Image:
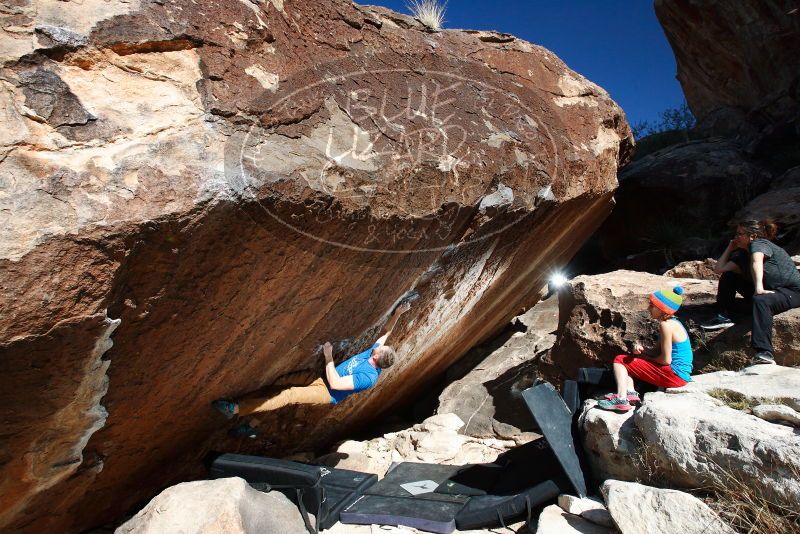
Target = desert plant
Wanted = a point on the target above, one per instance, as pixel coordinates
(740, 505)
(428, 12)
(746, 508)
(670, 120)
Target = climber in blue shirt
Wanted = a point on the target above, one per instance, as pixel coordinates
(355, 374)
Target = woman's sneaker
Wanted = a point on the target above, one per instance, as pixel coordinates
(717, 323)
(633, 397)
(614, 404)
(763, 356)
(225, 407)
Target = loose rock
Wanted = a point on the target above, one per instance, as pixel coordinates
(639, 509)
(223, 506)
(554, 520)
(777, 413)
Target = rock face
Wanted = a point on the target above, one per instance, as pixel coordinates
(224, 506)
(736, 58)
(601, 316)
(639, 509)
(698, 269)
(733, 345)
(489, 397)
(739, 73)
(178, 177)
(782, 204)
(686, 438)
(662, 214)
(761, 382)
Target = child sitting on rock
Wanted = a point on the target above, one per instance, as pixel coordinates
(670, 368)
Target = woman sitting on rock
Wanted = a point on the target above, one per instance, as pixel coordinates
(764, 275)
(671, 367)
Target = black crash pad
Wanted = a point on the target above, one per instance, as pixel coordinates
(407, 496)
(431, 515)
(500, 510)
(555, 421)
(324, 491)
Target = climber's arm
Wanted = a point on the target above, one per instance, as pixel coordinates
(341, 383)
(400, 310)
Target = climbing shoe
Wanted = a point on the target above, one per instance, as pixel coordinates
(633, 397)
(242, 431)
(615, 404)
(717, 323)
(763, 356)
(225, 407)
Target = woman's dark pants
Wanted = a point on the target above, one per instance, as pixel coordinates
(731, 283)
(764, 308)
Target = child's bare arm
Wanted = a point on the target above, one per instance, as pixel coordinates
(664, 355)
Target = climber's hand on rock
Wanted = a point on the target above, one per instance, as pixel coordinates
(327, 350)
(638, 348)
(404, 307)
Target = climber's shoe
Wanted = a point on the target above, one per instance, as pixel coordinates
(225, 407)
(242, 431)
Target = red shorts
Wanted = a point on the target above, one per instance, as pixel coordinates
(659, 375)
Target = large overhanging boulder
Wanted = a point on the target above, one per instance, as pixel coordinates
(224, 186)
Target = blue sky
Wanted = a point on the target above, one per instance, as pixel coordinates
(617, 44)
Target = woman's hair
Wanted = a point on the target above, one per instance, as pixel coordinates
(766, 229)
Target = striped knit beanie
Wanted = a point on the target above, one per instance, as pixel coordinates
(668, 301)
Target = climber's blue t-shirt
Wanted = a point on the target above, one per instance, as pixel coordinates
(363, 373)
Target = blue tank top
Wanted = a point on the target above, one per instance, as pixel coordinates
(682, 356)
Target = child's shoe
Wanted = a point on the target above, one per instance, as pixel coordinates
(615, 404)
(633, 397)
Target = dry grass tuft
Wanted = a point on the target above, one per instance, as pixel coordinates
(428, 12)
(737, 401)
(747, 509)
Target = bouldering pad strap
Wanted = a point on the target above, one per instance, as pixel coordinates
(528, 511)
(304, 513)
(266, 487)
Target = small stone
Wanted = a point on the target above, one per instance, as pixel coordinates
(599, 516)
(447, 421)
(554, 520)
(577, 505)
(777, 413)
